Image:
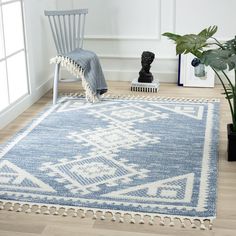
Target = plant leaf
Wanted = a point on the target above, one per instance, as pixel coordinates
(208, 32)
(189, 43)
(172, 36)
(231, 45)
(230, 97)
(232, 62)
(219, 59)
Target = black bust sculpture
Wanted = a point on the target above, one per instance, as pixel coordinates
(145, 76)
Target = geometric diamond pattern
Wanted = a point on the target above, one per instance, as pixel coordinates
(113, 138)
(129, 114)
(87, 174)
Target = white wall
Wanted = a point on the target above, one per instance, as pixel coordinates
(64, 4)
(193, 16)
(118, 31)
(39, 48)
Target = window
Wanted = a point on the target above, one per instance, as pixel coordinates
(13, 70)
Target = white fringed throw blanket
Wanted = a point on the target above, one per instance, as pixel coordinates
(84, 64)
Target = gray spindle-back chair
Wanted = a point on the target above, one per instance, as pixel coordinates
(68, 33)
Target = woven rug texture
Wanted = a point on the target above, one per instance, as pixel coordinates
(151, 158)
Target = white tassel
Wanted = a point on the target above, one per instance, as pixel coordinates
(141, 221)
(64, 214)
(1, 207)
(121, 220)
(151, 222)
(132, 220)
(38, 211)
(193, 226)
(11, 208)
(83, 214)
(162, 222)
(47, 212)
(182, 224)
(210, 226)
(19, 209)
(103, 216)
(202, 226)
(75, 214)
(113, 218)
(94, 216)
(28, 210)
(172, 223)
(55, 213)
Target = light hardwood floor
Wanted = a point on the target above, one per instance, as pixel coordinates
(19, 224)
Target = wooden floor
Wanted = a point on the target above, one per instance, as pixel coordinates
(19, 224)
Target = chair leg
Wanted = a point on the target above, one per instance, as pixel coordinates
(55, 83)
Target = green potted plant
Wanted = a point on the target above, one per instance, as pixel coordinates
(221, 57)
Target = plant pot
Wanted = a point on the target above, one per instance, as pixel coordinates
(231, 143)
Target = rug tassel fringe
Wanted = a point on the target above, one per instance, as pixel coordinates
(162, 222)
(75, 214)
(94, 216)
(113, 218)
(65, 214)
(103, 216)
(202, 224)
(172, 223)
(121, 219)
(28, 211)
(83, 214)
(202, 227)
(148, 97)
(132, 220)
(182, 223)
(210, 225)
(11, 208)
(141, 221)
(151, 221)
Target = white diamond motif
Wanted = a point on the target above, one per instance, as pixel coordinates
(93, 170)
(113, 138)
(128, 114)
(85, 175)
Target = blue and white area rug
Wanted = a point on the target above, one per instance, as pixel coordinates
(154, 159)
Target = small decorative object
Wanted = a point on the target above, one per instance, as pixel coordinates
(199, 68)
(220, 57)
(145, 76)
(192, 73)
(145, 82)
(145, 87)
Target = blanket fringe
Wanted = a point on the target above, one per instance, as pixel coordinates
(78, 72)
(115, 216)
(148, 97)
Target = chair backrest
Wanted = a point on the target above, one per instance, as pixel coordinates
(67, 28)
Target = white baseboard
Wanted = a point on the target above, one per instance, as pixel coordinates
(24, 103)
